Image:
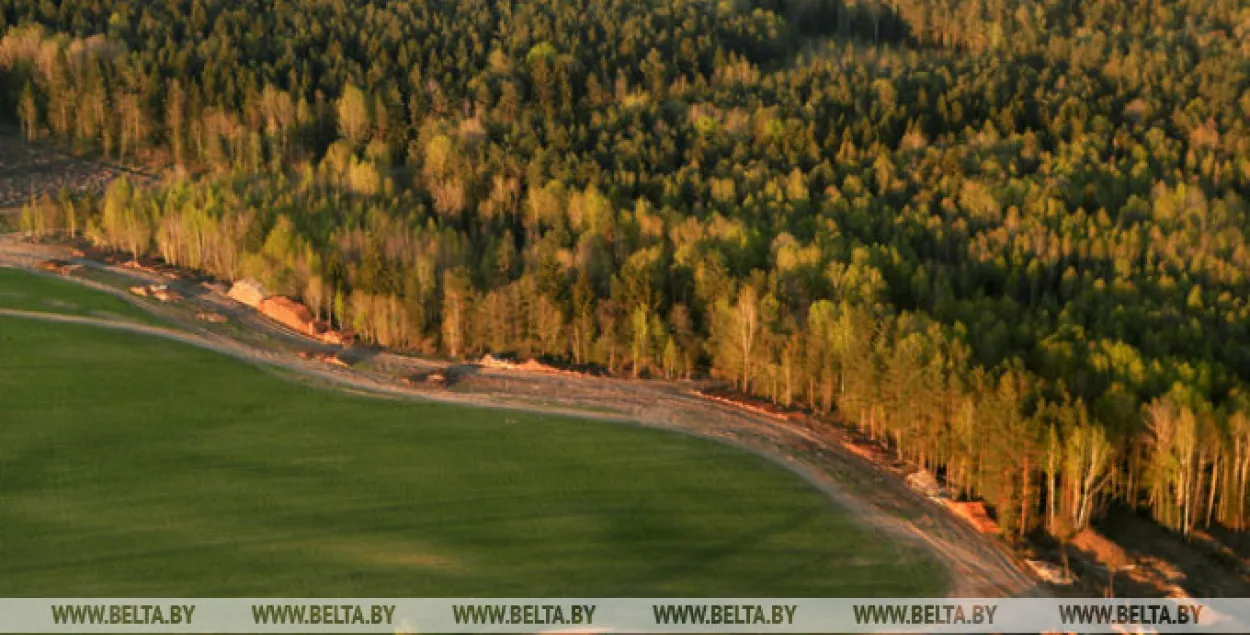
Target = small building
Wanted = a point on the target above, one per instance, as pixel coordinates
(249, 292)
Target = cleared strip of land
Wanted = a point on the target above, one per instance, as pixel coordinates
(133, 466)
(976, 566)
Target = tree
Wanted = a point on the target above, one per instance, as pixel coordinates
(456, 300)
(1088, 469)
(28, 112)
(125, 221)
(981, 262)
(354, 118)
(175, 120)
(640, 341)
(747, 323)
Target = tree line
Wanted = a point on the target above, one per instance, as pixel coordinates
(1008, 239)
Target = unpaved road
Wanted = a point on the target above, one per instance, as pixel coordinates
(978, 566)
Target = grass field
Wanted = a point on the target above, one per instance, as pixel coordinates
(132, 466)
(29, 292)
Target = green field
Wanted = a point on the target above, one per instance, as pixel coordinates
(133, 466)
(29, 292)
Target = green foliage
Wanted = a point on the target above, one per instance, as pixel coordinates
(966, 227)
(544, 51)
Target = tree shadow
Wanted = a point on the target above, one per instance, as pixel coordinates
(358, 354)
(871, 22)
(1198, 572)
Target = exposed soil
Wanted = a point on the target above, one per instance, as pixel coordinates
(28, 170)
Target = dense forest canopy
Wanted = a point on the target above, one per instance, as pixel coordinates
(1007, 237)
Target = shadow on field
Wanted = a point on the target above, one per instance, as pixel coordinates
(696, 559)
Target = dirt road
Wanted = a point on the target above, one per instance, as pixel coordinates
(978, 566)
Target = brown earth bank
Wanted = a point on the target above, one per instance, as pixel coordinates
(1126, 554)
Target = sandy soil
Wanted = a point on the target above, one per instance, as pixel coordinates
(978, 566)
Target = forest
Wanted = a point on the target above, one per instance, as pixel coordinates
(1008, 238)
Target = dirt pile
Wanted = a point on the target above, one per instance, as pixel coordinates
(248, 292)
(325, 358)
(145, 267)
(157, 291)
(924, 482)
(755, 406)
(527, 366)
(873, 453)
(211, 317)
(975, 514)
(435, 378)
(290, 314)
(165, 294)
(96, 254)
(59, 267)
(498, 363)
(337, 338)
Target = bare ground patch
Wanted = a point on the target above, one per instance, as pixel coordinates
(34, 169)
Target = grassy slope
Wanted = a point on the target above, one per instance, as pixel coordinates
(134, 466)
(29, 292)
